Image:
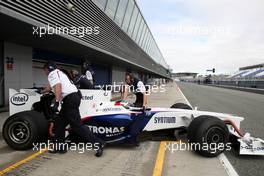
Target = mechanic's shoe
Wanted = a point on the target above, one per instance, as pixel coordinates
(63, 151)
(134, 141)
(53, 151)
(100, 150)
(58, 148)
(137, 144)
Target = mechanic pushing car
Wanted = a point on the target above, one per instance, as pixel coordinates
(138, 88)
(80, 81)
(69, 97)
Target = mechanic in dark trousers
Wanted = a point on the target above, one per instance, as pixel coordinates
(80, 81)
(138, 88)
(68, 95)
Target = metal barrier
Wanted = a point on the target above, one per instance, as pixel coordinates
(259, 84)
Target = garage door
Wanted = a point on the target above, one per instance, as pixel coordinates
(102, 75)
(1, 75)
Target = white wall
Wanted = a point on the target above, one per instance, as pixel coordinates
(21, 74)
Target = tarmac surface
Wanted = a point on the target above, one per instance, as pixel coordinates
(245, 104)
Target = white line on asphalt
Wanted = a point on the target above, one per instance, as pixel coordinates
(223, 159)
(184, 97)
(227, 165)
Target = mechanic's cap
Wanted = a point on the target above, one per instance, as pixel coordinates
(74, 73)
(129, 74)
(128, 70)
(86, 65)
(50, 65)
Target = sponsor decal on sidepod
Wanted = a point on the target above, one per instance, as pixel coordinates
(108, 131)
(165, 120)
(19, 99)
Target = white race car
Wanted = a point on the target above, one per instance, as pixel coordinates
(209, 133)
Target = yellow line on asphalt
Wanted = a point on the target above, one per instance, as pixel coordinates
(160, 158)
(23, 161)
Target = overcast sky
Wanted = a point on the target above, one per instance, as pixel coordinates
(195, 35)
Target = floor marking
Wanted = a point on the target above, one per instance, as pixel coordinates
(227, 165)
(21, 162)
(187, 101)
(222, 158)
(160, 157)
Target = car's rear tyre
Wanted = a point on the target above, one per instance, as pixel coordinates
(209, 135)
(181, 106)
(23, 129)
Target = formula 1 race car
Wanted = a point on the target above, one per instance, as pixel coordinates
(117, 122)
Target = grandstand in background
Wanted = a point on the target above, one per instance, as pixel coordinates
(252, 67)
(249, 72)
(248, 77)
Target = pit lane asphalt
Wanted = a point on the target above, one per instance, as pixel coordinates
(248, 105)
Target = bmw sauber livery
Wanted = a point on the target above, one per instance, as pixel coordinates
(119, 123)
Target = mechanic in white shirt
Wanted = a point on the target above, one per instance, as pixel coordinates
(138, 88)
(80, 81)
(89, 76)
(87, 71)
(68, 95)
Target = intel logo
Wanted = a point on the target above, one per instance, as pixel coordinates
(19, 99)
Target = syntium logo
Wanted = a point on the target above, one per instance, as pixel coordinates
(106, 130)
(165, 120)
(19, 99)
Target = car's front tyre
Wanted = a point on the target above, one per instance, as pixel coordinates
(209, 135)
(181, 106)
(23, 129)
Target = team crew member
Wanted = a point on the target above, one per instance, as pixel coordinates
(68, 95)
(81, 81)
(138, 88)
(89, 73)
